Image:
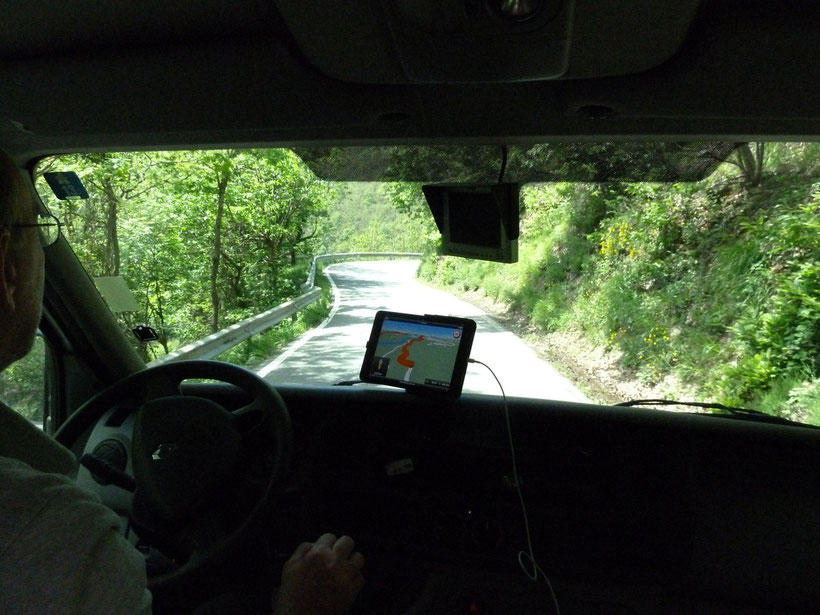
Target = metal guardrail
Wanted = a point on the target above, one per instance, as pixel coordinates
(217, 343)
(311, 280)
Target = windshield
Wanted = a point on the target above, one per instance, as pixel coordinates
(692, 290)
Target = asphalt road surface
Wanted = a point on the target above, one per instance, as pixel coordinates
(333, 352)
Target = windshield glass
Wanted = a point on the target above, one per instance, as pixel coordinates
(692, 290)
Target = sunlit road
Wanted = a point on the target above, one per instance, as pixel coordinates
(334, 351)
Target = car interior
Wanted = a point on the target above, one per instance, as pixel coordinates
(628, 510)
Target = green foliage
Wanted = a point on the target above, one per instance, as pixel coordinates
(203, 239)
(716, 283)
(793, 158)
(263, 346)
(779, 334)
(372, 217)
(549, 312)
(22, 384)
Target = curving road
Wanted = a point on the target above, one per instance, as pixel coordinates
(333, 352)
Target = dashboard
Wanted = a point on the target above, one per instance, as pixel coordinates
(629, 511)
(637, 510)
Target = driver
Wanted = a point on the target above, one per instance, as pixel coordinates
(61, 550)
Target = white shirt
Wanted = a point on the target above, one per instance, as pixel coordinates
(61, 550)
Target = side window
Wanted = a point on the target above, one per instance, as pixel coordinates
(23, 383)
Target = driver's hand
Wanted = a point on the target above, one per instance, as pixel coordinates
(320, 578)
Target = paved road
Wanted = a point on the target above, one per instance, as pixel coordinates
(334, 351)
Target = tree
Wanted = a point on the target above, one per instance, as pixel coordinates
(275, 209)
(749, 161)
(115, 179)
(221, 167)
(202, 182)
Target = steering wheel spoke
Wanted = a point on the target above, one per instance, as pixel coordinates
(250, 417)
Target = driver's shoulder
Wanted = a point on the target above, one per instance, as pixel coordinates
(20, 439)
(51, 529)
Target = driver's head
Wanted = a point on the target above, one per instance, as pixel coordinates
(21, 265)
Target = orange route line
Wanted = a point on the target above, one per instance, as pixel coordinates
(405, 352)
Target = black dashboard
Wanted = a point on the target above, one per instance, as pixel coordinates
(630, 510)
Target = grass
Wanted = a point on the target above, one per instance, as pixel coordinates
(266, 344)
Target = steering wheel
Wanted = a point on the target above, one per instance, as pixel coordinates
(204, 476)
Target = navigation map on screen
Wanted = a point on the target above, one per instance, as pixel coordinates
(414, 352)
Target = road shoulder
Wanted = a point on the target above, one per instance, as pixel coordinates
(591, 368)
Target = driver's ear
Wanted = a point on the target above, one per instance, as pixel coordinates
(8, 273)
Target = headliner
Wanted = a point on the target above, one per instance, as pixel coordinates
(206, 74)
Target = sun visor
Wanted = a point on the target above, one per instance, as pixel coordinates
(539, 162)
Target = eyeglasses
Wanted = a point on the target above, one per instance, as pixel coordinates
(49, 227)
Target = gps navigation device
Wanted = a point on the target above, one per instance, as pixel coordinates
(419, 353)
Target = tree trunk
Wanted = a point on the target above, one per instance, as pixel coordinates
(222, 185)
(750, 163)
(759, 151)
(162, 332)
(112, 242)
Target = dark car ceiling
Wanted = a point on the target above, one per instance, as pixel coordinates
(116, 74)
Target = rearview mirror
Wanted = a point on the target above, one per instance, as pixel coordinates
(476, 220)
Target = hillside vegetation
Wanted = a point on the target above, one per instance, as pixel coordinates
(712, 286)
(363, 218)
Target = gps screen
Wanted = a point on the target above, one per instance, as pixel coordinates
(418, 352)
